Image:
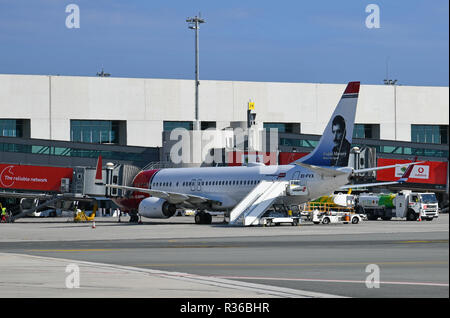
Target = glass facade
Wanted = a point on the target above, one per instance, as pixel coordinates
(75, 152)
(282, 127)
(366, 131)
(386, 149)
(171, 125)
(11, 127)
(291, 142)
(94, 131)
(208, 125)
(432, 134)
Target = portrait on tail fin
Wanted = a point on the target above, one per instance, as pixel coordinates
(341, 149)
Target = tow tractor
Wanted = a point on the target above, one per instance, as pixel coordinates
(335, 217)
(326, 213)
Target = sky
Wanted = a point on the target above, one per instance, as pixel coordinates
(322, 41)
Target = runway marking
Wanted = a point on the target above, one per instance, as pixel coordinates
(80, 250)
(437, 241)
(333, 281)
(295, 264)
(123, 249)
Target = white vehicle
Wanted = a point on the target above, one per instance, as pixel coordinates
(281, 215)
(269, 221)
(405, 204)
(335, 217)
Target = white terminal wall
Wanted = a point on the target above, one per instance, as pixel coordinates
(50, 102)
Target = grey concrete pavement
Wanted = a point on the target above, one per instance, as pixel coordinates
(26, 276)
(60, 229)
(328, 259)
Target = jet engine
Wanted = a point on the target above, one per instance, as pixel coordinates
(156, 208)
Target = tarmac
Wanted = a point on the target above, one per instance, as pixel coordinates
(175, 258)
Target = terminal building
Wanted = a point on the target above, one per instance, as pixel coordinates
(68, 120)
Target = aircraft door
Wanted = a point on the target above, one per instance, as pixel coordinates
(199, 184)
(193, 183)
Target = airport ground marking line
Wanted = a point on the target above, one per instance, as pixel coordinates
(333, 280)
(294, 264)
(193, 278)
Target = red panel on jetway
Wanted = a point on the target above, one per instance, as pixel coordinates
(286, 158)
(236, 158)
(431, 172)
(33, 177)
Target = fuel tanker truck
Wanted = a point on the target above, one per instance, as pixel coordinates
(405, 204)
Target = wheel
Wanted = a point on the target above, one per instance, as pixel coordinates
(208, 218)
(198, 218)
(326, 221)
(295, 223)
(355, 220)
(411, 216)
(386, 218)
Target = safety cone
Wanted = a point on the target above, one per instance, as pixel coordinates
(93, 224)
(419, 219)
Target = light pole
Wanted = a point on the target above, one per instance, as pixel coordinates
(194, 24)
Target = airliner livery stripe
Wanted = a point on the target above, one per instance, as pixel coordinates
(350, 95)
(352, 88)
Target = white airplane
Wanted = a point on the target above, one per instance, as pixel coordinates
(159, 193)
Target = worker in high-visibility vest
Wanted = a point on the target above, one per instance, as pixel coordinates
(3, 214)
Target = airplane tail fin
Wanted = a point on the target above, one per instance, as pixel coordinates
(408, 171)
(334, 146)
(98, 171)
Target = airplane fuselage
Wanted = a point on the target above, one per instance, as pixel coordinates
(229, 185)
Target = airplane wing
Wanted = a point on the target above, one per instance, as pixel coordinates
(386, 167)
(403, 179)
(17, 195)
(45, 196)
(171, 197)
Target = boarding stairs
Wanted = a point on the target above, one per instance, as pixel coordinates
(259, 200)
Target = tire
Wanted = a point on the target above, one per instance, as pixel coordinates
(295, 223)
(355, 220)
(386, 218)
(326, 220)
(207, 218)
(411, 216)
(198, 218)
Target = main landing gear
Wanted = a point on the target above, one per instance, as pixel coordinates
(203, 217)
(135, 217)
